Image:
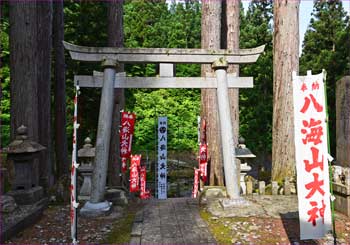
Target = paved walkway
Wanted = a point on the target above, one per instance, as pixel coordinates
(171, 221)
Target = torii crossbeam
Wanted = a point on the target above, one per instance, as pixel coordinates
(110, 57)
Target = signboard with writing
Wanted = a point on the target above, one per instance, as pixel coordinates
(162, 157)
(134, 173)
(126, 134)
(311, 152)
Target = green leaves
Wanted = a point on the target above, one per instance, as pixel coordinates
(156, 25)
(256, 103)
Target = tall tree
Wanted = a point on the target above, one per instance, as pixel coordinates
(231, 15)
(211, 26)
(285, 61)
(24, 86)
(116, 39)
(30, 62)
(43, 60)
(61, 148)
(325, 47)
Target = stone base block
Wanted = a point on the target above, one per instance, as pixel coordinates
(342, 198)
(22, 217)
(116, 196)
(25, 197)
(213, 192)
(235, 202)
(96, 209)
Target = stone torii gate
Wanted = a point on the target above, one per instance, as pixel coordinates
(108, 80)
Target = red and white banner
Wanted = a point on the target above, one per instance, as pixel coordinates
(203, 155)
(203, 152)
(126, 134)
(134, 173)
(311, 152)
(195, 183)
(73, 186)
(144, 194)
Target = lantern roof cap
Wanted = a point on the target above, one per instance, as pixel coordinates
(22, 144)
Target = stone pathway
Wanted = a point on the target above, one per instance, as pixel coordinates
(171, 221)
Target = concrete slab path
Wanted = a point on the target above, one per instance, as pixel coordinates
(171, 221)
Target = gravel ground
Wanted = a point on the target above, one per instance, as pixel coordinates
(255, 230)
(54, 228)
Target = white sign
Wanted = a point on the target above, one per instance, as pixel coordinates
(162, 157)
(311, 152)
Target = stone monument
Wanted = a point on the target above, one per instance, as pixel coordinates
(23, 151)
(343, 121)
(86, 156)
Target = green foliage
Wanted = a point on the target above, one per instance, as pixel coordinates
(156, 25)
(256, 103)
(5, 84)
(325, 47)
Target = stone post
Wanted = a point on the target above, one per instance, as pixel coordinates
(286, 187)
(343, 121)
(274, 188)
(262, 187)
(97, 204)
(230, 163)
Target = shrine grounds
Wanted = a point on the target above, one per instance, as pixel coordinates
(267, 220)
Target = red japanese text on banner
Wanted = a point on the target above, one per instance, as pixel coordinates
(195, 183)
(125, 136)
(311, 152)
(134, 173)
(144, 194)
(203, 155)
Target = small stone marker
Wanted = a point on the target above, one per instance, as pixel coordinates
(274, 187)
(286, 187)
(249, 185)
(262, 187)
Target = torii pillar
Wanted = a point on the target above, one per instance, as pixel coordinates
(97, 204)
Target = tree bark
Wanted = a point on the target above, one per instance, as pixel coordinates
(23, 72)
(61, 148)
(116, 39)
(44, 46)
(232, 43)
(285, 61)
(210, 38)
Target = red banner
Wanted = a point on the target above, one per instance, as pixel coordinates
(195, 183)
(126, 134)
(144, 194)
(203, 154)
(134, 173)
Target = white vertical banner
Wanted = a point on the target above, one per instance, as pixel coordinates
(311, 152)
(162, 157)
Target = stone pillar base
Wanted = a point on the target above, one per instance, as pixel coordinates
(234, 202)
(26, 197)
(96, 209)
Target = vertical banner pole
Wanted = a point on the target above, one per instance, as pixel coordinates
(74, 169)
(329, 162)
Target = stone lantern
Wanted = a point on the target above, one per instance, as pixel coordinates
(86, 156)
(243, 154)
(23, 152)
